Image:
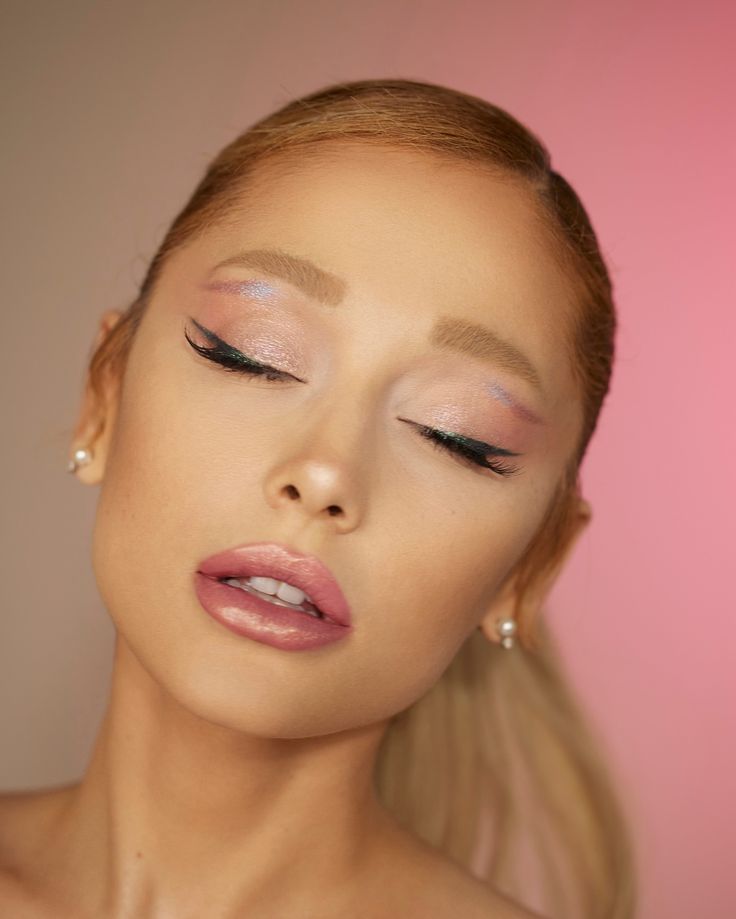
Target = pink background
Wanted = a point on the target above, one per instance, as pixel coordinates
(112, 112)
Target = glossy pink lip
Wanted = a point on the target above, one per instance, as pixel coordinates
(274, 560)
(254, 617)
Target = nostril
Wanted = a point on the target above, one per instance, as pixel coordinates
(334, 510)
(291, 491)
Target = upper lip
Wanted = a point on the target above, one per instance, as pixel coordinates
(275, 560)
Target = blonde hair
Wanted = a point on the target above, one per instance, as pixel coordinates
(500, 737)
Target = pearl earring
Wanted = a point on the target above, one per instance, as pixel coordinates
(506, 628)
(81, 457)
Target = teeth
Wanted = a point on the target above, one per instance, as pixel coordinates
(290, 594)
(280, 590)
(265, 585)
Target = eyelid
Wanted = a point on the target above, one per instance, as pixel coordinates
(479, 445)
(468, 449)
(215, 339)
(476, 452)
(232, 354)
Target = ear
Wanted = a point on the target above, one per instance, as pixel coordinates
(505, 603)
(96, 419)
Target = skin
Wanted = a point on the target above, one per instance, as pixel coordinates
(230, 778)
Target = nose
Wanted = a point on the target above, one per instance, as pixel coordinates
(324, 464)
(316, 489)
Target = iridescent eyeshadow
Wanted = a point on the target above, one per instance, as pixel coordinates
(255, 289)
(498, 392)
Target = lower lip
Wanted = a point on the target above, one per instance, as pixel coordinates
(246, 614)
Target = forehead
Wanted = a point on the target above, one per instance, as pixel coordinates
(416, 232)
(482, 223)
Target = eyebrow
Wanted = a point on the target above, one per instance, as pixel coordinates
(313, 281)
(483, 343)
(448, 333)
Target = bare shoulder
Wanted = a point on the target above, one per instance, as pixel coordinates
(423, 881)
(25, 817)
(456, 893)
(492, 904)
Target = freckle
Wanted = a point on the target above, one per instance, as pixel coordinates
(137, 854)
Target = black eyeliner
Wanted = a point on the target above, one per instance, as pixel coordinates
(221, 348)
(473, 450)
(232, 360)
(468, 448)
(476, 446)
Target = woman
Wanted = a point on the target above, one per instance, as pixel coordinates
(338, 437)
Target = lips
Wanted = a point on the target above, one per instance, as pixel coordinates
(274, 560)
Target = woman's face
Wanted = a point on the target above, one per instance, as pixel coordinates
(421, 252)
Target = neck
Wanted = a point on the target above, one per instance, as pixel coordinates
(179, 815)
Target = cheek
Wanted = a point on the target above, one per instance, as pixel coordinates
(152, 497)
(437, 580)
(182, 459)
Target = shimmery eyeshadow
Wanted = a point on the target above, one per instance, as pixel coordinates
(255, 289)
(498, 392)
(261, 291)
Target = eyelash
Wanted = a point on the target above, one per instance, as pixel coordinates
(474, 452)
(233, 360)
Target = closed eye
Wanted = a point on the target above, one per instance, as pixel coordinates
(473, 451)
(233, 360)
(466, 449)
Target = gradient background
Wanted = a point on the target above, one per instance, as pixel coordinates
(113, 109)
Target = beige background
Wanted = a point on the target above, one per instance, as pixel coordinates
(111, 111)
